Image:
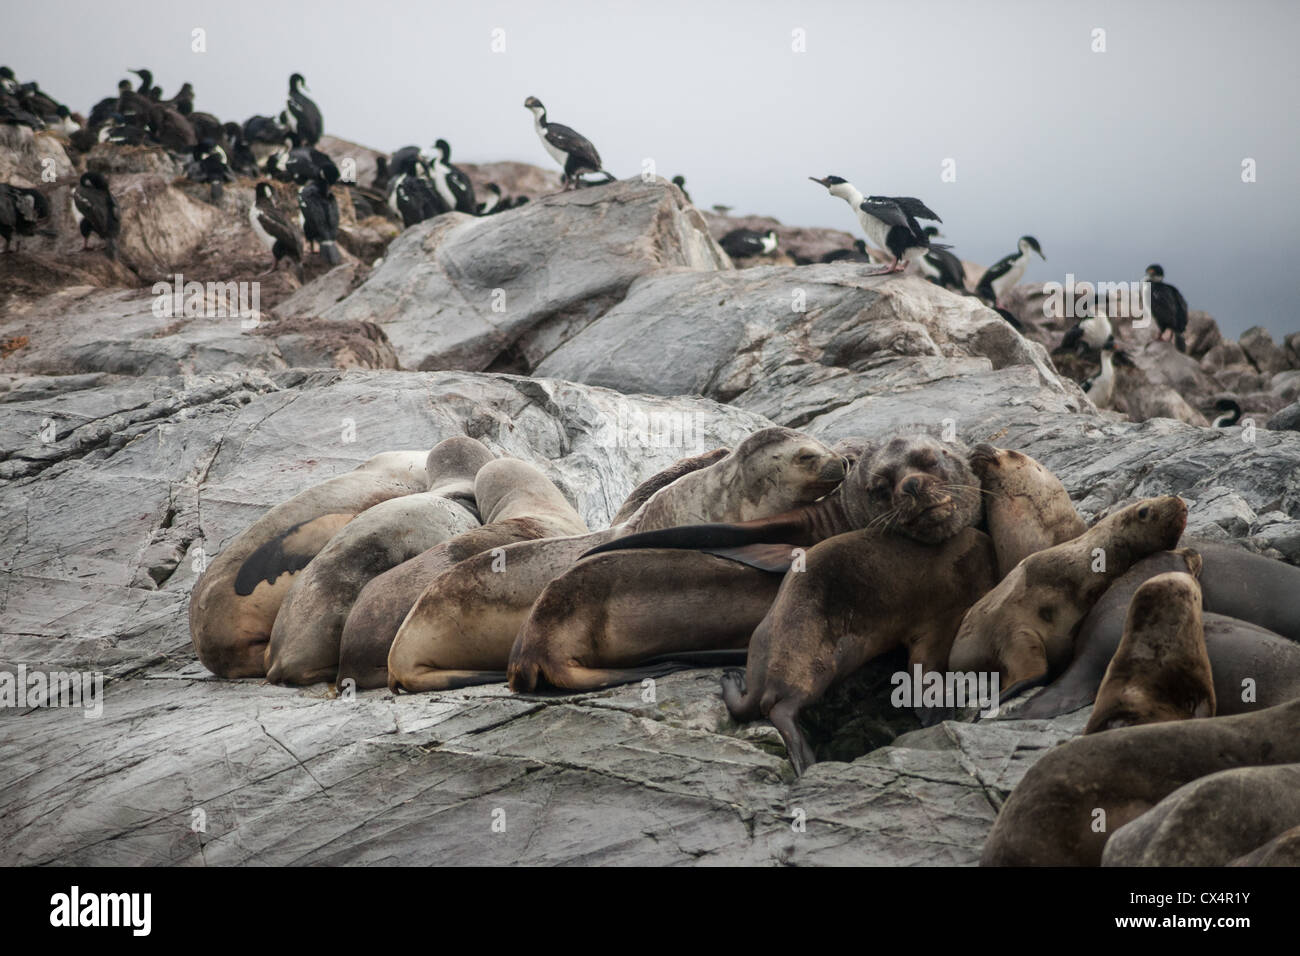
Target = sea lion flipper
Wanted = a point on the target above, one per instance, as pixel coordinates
(788, 527)
(777, 558)
(288, 552)
(784, 717)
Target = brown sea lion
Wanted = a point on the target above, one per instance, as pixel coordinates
(1161, 670)
(611, 611)
(304, 645)
(1026, 507)
(645, 491)
(463, 626)
(1079, 793)
(234, 604)
(517, 502)
(1253, 667)
(1026, 625)
(863, 593)
(1212, 820)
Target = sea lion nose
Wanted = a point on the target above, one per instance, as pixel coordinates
(911, 485)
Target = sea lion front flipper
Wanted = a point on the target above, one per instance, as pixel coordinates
(791, 527)
(430, 679)
(289, 552)
(1024, 658)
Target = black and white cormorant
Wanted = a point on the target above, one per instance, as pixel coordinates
(273, 229)
(743, 243)
(1168, 307)
(1229, 413)
(890, 222)
(263, 129)
(567, 146)
(304, 116)
(209, 165)
(1091, 332)
(1101, 387)
(241, 157)
(1004, 274)
(96, 211)
(319, 215)
(450, 181)
(301, 164)
(680, 183)
(857, 254)
(940, 266)
(21, 211)
(121, 132)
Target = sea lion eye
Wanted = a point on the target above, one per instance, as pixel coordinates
(1144, 512)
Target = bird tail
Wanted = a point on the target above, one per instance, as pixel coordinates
(330, 250)
(939, 245)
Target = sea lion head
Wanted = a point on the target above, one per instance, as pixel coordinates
(1158, 680)
(783, 469)
(916, 486)
(452, 465)
(1152, 524)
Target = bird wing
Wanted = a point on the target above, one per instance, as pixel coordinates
(571, 141)
(998, 269)
(886, 210)
(910, 205)
(277, 228)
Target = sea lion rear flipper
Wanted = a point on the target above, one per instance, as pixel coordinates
(785, 718)
(573, 677)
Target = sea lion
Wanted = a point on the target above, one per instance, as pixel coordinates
(1250, 587)
(1026, 625)
(598, 621)
(234, 603)
(1079, 793)
(616, 608)
(1282, 850)
(1026, 507)
(1161, 670)
(863, 593)
(1239, 651)
(683, 466)
(462, 627)
(304, 645)
(1212, 820)
(915, 485)
(517, 502)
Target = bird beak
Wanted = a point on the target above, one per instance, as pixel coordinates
(820, 182)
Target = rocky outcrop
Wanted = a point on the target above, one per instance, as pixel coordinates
(501, 292)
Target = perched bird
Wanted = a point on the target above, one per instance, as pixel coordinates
(242, 160)
(101, 111)
(451, 183)
(567, 147)
(96, 211)
(1101, 387)
(743, 243)
(8, 82)
(1230, 413)
(304, 116)
(380, 181)
(209, 165)
(680, 183)
(319, 213)
(1091, 332)
(1168, 307)
(21, 211)
(301, 164)
(493, 200)
(273, 229)
(890, 222)
(857, 254)
(1004, 274)
(263, 129)
(121, 133)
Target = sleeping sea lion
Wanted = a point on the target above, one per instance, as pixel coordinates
(304, 645)
(234, 603)
(463, 625)
(1026, 625)
(1079, 793)
(518, 503)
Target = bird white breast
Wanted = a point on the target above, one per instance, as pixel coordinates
(928, 268)
(769, 243)
(76, 213)
(1011, 278)
(1096, 330)
(265, 237)
(1103, 386)
(440, 183)
(557, 154)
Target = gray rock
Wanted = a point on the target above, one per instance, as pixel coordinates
(1263, 352)
(1288, 419)
(501, 292)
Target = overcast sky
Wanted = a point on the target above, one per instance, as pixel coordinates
(1112, 159)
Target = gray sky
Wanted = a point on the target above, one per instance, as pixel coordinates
(1112, 160)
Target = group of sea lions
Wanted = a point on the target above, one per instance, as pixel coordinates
(430, 572)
